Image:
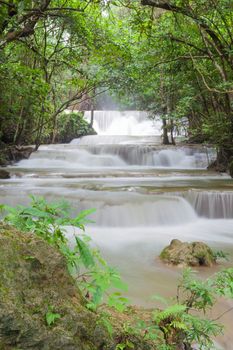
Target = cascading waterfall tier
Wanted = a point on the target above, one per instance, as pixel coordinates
(124, 123)
(212, 204)
(82, 154)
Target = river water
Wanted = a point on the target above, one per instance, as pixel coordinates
(144, 195)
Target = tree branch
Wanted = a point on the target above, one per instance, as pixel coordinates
(28, 23)
(185, 42)
(7, 4)
(166, 5)
(205, 82)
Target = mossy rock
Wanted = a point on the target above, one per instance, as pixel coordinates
(188, 254)
(34, 278)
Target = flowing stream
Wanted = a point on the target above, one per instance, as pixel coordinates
(144, 195)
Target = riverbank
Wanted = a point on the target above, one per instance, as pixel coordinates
(70, 125)
(10, 154)
(35, 283)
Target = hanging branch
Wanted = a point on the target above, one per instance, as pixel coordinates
(166, 5)
(26, 23)
(205, 82)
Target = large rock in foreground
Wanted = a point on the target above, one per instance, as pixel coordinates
(34, 279)
(188, 254)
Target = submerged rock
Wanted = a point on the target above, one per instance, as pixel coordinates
(4, 174)
(188, 254)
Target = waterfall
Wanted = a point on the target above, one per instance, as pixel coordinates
(86, 153)
(126, 209)
(124, 123)
(145, 195)
(211, 204)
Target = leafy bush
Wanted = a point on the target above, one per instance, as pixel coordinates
(71, 126)
(184, 323)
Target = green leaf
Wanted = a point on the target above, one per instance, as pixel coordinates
(83, 214)
(35, 212)
(51, 317)
(118, 283)
(85, 253)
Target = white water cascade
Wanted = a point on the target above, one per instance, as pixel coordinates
(212, 204)
(144, 195)
(124, 123)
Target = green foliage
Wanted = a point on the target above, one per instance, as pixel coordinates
(72, 125)
(176, 324)
(50, 222)
(171, 311)
(105, 320)
(219, 254)
(47, 69)
(51, 317)
(127, 345)
(147, 58)
(179, 322)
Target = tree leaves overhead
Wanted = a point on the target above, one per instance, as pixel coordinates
(173, 58)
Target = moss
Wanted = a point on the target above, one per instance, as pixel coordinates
(34, 277)
(189, 254)
(164, 255)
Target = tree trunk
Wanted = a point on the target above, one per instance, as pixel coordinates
(165, 133)
(171, 133)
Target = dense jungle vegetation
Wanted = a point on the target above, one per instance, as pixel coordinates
(174, 58)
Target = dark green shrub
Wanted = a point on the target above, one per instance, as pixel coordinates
(71, 126)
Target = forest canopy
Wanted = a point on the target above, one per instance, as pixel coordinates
(172, 58)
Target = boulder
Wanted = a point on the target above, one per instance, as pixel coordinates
(18, 153)
(4, 174)
(188, 254)
(11, 154)
(34, 280)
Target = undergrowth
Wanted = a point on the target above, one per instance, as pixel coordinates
(182, 324)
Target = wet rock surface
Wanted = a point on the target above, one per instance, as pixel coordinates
(12, 154)
(188, 254)
(4, 174)
(18, 153)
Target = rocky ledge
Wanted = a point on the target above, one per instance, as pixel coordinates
(12, 154)
(4, 174)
